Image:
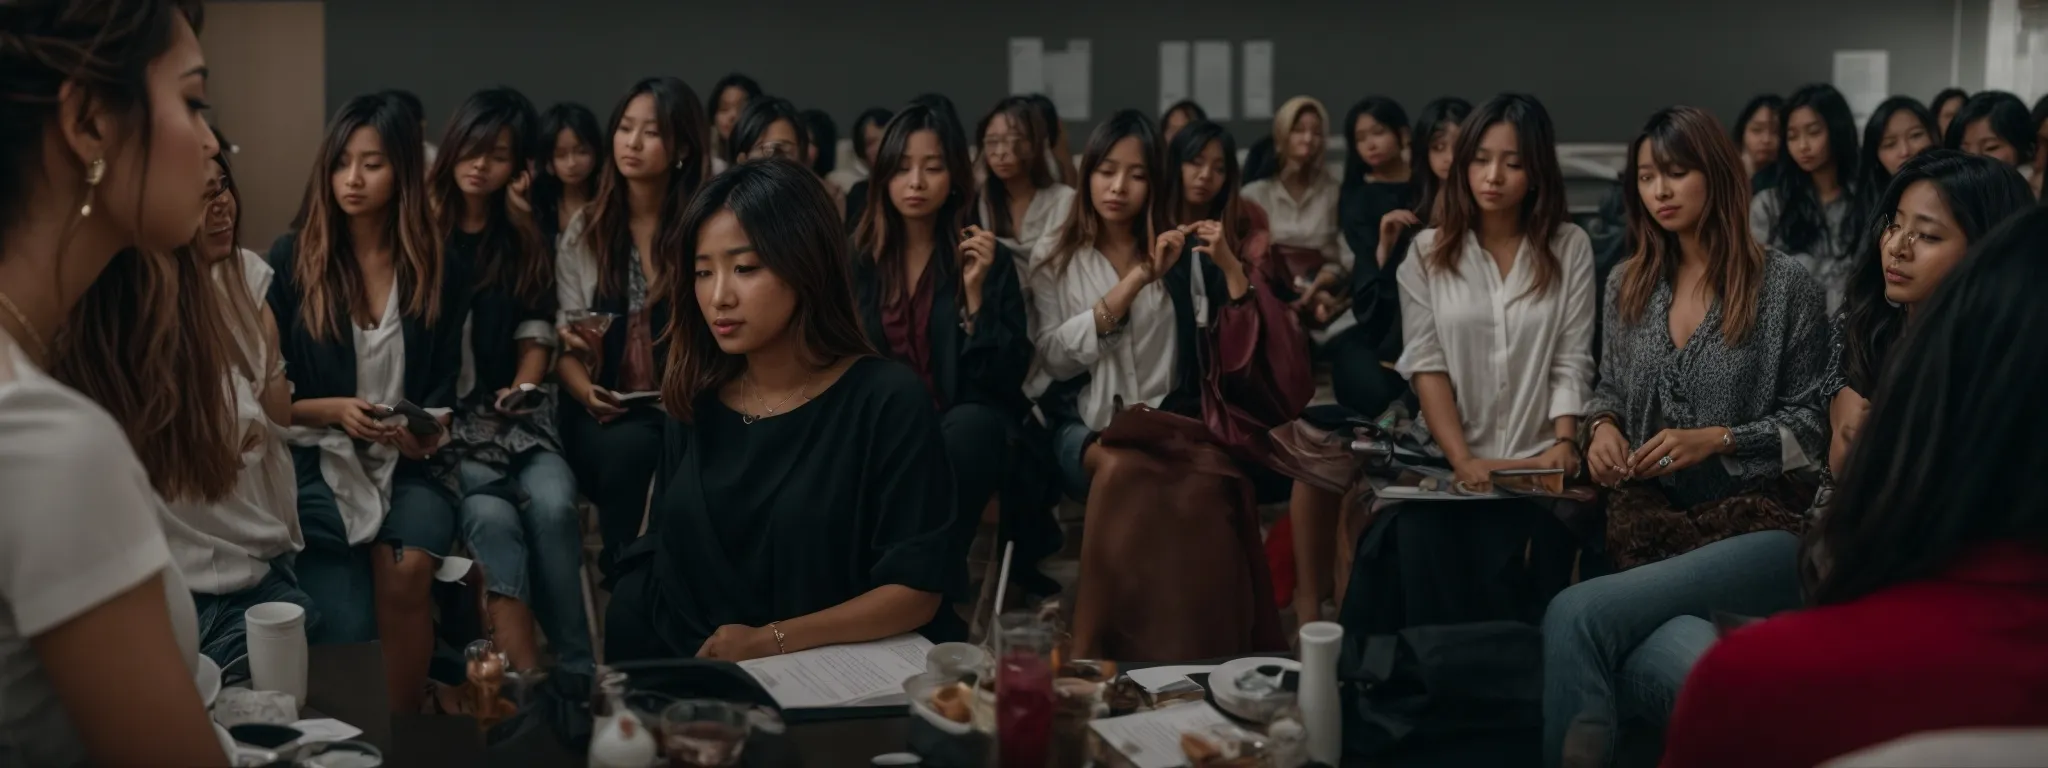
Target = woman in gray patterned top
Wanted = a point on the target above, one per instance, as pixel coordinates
(1714, 351)
(1815, 214)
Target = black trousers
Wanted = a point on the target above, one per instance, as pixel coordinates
(1361, 382)
(614, 463)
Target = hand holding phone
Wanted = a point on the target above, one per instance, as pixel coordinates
(519, 401)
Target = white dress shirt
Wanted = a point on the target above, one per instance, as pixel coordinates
(1309, 221)
(1136, 363)
(1517, 360)
(360, 473)
(1043, 219)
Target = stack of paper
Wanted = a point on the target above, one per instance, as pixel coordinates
(1152, 739)
(858, 675)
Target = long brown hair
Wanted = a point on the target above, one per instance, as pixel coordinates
(880, 235)
(1543, 207)
(1084, 225)
(1028, 143)
(512, 254)
(330, 282)
(244, 310)
(680, 120)
(1690, 139)
(795, 229)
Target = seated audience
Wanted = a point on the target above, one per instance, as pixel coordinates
(1707, 400)
(1994, 124)
(1897, 131)
(772, 127)
(1945, 105)
(724, 103)
(518, 511)
(98, 638)
(1497, 313)
(1020, 201)
(1309, 259)
(1378, 180)
(565, 176)
(1757, 134)
(1812, 211)
(1939, 204)
(370, 317)
(867, 136)
(1934, 611)
(804, 495)
(608, 261)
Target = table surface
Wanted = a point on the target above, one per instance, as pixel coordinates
(346, 682)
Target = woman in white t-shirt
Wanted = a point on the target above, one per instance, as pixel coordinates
(94, 620)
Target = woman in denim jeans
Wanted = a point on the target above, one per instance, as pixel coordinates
(518, 511)
(1714, 350)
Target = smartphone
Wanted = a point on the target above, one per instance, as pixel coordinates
(417, 420)
(525, 399)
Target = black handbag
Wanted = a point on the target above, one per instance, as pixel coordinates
(1446, 695)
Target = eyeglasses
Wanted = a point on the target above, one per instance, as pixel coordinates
(1888, 227)
(784, 149)
(1014, 145)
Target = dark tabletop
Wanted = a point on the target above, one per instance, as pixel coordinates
(346, 682)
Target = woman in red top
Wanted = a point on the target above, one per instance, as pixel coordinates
(1934, 614)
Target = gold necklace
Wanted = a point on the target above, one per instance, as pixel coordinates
(34, 337)
(755, 390)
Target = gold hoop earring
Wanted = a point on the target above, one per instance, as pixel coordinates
(94, 174)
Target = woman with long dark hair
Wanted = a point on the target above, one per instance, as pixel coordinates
(724, 103)
(1206, 187)
(823, 141)
(1378, 180)
(565, 176)
(1180, 115)
(1932, 615)
(104, 153)
(867, 138)
(773, 127)
(804, 492)
(1020, 201)
(504, 432)
(1939, 204)
(1126, 318)
(1945, 105)
(1058, 155)
(1813, 213)
(610, 264)
(1757, 133)
(1898, 130)
(942, 296)
(1997, 125)
(370, 317)
(1707, 384)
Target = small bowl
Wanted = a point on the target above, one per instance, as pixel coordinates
(956, 660)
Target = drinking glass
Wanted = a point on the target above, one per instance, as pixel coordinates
(701, 733)
(1024, 700)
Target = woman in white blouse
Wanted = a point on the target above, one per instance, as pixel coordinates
(1301, 208)
(1497, 316)
(1019, 199)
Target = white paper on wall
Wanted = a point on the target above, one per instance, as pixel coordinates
(1027, 66)
(1258, 79)
(1173, 73)
(1864, 78)
(1066, 79)
(1212, 77)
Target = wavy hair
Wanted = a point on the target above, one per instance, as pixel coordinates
(1029, 146)
(1543, 207)
(1801, 222)
(608, 223)
(1690, 139)
(880, 233)
(1084, 225)
(1228, 207)
(512, 254)
(329, 281)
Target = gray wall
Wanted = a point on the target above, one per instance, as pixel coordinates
(1600, 65)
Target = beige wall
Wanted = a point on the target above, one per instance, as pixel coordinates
(269, 91)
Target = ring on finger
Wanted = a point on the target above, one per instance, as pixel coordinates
(1664, 462)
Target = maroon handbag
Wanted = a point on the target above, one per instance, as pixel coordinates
(1256, 375)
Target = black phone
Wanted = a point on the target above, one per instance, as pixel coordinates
(524, 399)
(417, 420)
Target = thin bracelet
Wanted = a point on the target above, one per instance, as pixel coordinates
(775, 627)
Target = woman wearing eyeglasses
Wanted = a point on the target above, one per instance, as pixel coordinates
(1020, 202)
(772, 127)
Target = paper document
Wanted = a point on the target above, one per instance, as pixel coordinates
(857, 675)
(1258, 80)
(1212, 77)
(1152, 739)
(1173, 73)
(1027, 66)
(1157, 679)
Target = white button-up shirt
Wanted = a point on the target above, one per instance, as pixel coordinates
(1516, 360)
(1309, 221)
(1135, 364)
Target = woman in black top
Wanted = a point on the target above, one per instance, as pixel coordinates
(565, 176)
(804, 492)
(1378, 180)
(610, 260)
(366, 261)
(518, 513)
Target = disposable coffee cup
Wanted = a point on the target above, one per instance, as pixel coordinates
(277, 649)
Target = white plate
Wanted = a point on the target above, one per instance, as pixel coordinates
(1223, 686)
(208, 679)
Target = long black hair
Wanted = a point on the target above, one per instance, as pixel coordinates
(1941, 100)
(872, 116)
(1875, 177)
(1228, 206)
(547, 187)
(1084, 225)
(511, 257)
(1943, 462)
(1980, 192)
(795, 230)
(1801, 220)
(731, 80)
(1385, 110)
(2007, 116)
(880, 233)
(1025, 126)
(1437, 117)
(1757, 103)
(762, 112)
(608, 224)
(823, 134)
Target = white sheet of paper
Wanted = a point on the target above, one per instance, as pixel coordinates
(1067, 76)
(1152, 739)
(1173, 73)
(1212, 77)
(1156, 679)
(325, 729)
(1027, 66)
(1258, 80)
(856, 675)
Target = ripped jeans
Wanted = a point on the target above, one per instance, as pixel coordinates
(336, 576)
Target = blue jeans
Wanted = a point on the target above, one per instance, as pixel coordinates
(223, 634)
(335, 575)
(1069, 449)
(541, 539)
(1619, 646)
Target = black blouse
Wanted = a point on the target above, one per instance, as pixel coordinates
(797, 513)
(987, 366)
(317, 369)
(495, 315)
(1375, 298)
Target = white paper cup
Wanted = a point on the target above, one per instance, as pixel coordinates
(277, 649)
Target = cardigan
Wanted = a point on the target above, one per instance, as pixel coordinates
(318, 369)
